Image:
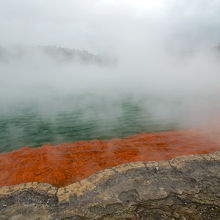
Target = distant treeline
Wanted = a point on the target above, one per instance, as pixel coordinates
(58, 54)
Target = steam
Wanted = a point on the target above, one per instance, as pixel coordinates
(163, 57)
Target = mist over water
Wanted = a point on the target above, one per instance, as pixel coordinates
(117, 68)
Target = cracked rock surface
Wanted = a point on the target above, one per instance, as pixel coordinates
(186, 187)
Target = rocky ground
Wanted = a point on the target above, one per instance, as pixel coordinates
(186, 187)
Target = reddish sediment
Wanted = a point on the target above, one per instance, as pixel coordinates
(67, 163)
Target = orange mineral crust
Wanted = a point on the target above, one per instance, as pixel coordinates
(66, 163)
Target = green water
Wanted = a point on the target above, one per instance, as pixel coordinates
(82, 118)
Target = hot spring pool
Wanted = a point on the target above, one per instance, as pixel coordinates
(67, 119)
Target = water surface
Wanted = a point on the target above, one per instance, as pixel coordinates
(83, 117)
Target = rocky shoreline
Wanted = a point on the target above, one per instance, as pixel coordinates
(186, 187)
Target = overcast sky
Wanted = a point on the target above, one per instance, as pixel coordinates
(104, 25)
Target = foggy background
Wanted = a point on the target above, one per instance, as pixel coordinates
(73, 70)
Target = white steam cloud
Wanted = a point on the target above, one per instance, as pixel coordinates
(162, 55)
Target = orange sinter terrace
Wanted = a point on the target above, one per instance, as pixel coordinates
(67, 163)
